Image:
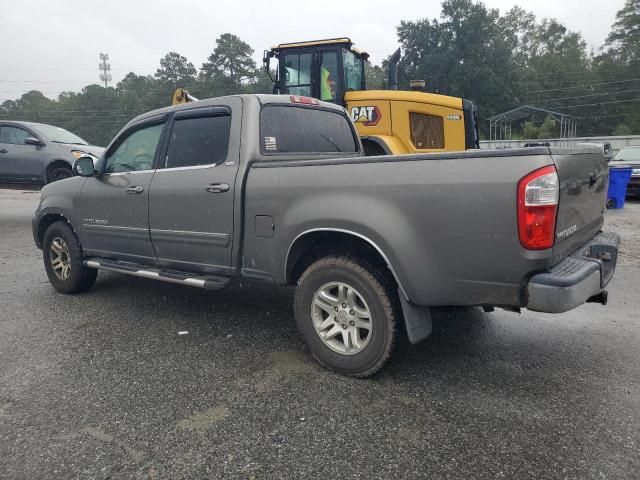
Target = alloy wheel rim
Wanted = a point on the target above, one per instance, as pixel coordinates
(60, 258)
(341, 318)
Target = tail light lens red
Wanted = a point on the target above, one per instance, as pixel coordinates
(538, 194)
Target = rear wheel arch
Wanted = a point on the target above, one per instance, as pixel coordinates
(312, 245)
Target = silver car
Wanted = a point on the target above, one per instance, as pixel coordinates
(35, 153)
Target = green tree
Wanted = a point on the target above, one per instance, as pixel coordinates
(622, 129)
(229, 65)
(529, 131)
(376, 76)
(548, 128)
(464, 54)
(176, 70)
(623, 42)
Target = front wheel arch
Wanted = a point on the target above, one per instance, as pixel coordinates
(57, 164)
(45, 222)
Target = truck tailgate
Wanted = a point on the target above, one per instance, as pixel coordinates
(584, 177)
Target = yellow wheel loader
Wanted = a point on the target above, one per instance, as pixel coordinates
(388, 121)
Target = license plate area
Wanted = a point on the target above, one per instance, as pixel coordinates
(607, 256)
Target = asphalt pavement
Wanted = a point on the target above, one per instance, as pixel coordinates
(103, 385)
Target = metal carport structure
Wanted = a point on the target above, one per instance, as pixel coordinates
(500, 125)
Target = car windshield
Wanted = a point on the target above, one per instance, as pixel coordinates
(628, 154)
(59, 135)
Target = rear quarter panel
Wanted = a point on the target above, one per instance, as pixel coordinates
(447, 224)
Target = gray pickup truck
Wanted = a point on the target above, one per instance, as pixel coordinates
(277, 188)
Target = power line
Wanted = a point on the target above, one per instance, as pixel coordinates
(584, 86)
(628, 114)
(591, 95)
(595, 104)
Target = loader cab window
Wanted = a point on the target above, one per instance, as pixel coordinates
(329, 76)
(297, 72)
(353, 71)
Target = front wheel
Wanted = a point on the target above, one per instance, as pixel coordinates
(63, 260)
(344, 311)
(58, 173)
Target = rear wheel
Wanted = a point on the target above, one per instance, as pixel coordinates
(63, 260)
(344, 311)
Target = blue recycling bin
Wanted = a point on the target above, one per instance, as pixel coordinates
(618, 180)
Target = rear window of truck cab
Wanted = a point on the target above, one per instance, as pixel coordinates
(297, 129)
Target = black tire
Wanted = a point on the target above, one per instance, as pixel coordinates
(79, 277)
(58, 173)
(379, 295)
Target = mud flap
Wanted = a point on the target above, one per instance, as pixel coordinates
(416, 319)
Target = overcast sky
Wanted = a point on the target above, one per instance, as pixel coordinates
(53, 45)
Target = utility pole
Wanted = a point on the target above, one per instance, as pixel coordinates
(105, 67)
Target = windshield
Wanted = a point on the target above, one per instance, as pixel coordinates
(58, 135)
(628, 154)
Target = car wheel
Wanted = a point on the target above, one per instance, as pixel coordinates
(58, 173)
(64, 262)
(345, 312)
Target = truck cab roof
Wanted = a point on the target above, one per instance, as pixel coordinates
(262, 99)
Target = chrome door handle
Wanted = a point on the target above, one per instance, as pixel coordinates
(218, 187)
(136, 189)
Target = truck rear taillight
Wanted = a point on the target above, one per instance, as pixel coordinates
(537, 208)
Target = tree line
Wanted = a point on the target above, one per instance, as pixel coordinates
(499, 61)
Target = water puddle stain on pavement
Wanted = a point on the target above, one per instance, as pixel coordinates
(203, 421)
(287, 362)
(101, 435)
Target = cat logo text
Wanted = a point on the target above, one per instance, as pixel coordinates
(366, 115)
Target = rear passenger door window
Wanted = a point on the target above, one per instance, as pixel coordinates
(198, 141)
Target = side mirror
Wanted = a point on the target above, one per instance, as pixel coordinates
(33, 141)
(83, 167)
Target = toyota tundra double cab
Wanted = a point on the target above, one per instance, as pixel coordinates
(277, 188)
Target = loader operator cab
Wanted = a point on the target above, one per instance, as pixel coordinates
(388, 121)
(324, 69)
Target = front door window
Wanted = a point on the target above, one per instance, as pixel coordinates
(135, 152)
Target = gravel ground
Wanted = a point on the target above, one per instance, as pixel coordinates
(101, 385)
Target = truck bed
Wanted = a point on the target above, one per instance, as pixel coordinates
(446, 223)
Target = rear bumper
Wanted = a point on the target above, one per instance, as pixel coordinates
(579, 277)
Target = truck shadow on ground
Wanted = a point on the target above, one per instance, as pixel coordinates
(466, 340)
